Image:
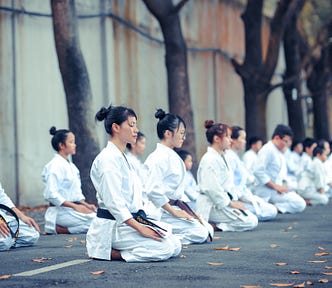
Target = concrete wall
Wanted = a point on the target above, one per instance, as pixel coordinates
(124, 68)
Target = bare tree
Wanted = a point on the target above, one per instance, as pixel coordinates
(292, 81)
(77, 88)
(256, 72)
(167, 14)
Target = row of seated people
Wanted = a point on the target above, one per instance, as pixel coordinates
(227, 197)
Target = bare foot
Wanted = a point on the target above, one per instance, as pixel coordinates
(116, 255)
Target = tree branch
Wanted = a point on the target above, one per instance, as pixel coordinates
(179, 6)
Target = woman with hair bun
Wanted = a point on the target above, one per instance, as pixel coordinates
(68, 213)
(217, 202)
(165, 183)
(121, 230)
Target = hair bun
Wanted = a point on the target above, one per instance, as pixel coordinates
(160, 114)
(102, 113)
(53, 130)
(208, 124)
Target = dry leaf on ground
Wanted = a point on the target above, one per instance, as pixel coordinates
(322, 253)
(222, 248)
(185, 246)
(323, 281)
(5, 276)
(309, 283)
(183, 256)
(321, 248)
(280, 264)
(41, 260)
(282, 284)
(98, 272)
(328, 267)
(216, 237)
(250, 286)
(68, 246)
(71, 239)
(327, 273)
(301, 285)
(274, 245)
(215, 263)
(234, 249)
(288, 228)
(295, 272)
(317, 261)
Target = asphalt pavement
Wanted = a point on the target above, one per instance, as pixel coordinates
(290, 251)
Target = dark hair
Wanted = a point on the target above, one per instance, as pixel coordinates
(282, 131)
(318, 150)
(236, 132)
(213, 129)
(308, 142)
(59, 136)
(167, 121)
(321, 142)
(140, 135)
(254, 140)
(114, 114)
(183, 154)
(295, 143)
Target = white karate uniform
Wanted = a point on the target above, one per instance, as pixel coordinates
(249, 159)
(271, 166)
(215, 179)
(292, 163)
(119, 191)
(165, 181)
(312, 179)
(262, 209)
(190, 189)
(328, 169)
(140, 168)
(27, 235)
(62, 183)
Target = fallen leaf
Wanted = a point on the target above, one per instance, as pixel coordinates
(183, 256)
(295, 236)
(328, 267)
(71, 239)
(250, 286)
(234, 249)
(317, 261)
(5, 276)
(215, 263)
(288, 228)
(280, 264)
(323, 281)
(83, 241)
(299, 285)
(321, 248)
(222, 248)
(294, 272)
(282, 284)
(98, 272)
(68, 246)
(327, 273)
(216, 237)
(322, 253)
(185, 246)
(41, 260)
(274, 245)
(309, 283)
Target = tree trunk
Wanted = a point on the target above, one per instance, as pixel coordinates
(176, 64)
(77, 88)
(256, 72)
(292, 77)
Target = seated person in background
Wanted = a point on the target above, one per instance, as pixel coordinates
(293, 158)
(190, 186)
(271, 171)
(68, 212)
(134, 151)
(218, 203)
(249, 157)
(243, 179)
(28, 233)
(312, 183)
(327, 165)
(309, 144)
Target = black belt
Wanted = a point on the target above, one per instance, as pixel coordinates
(139, 216)
(10, 211)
